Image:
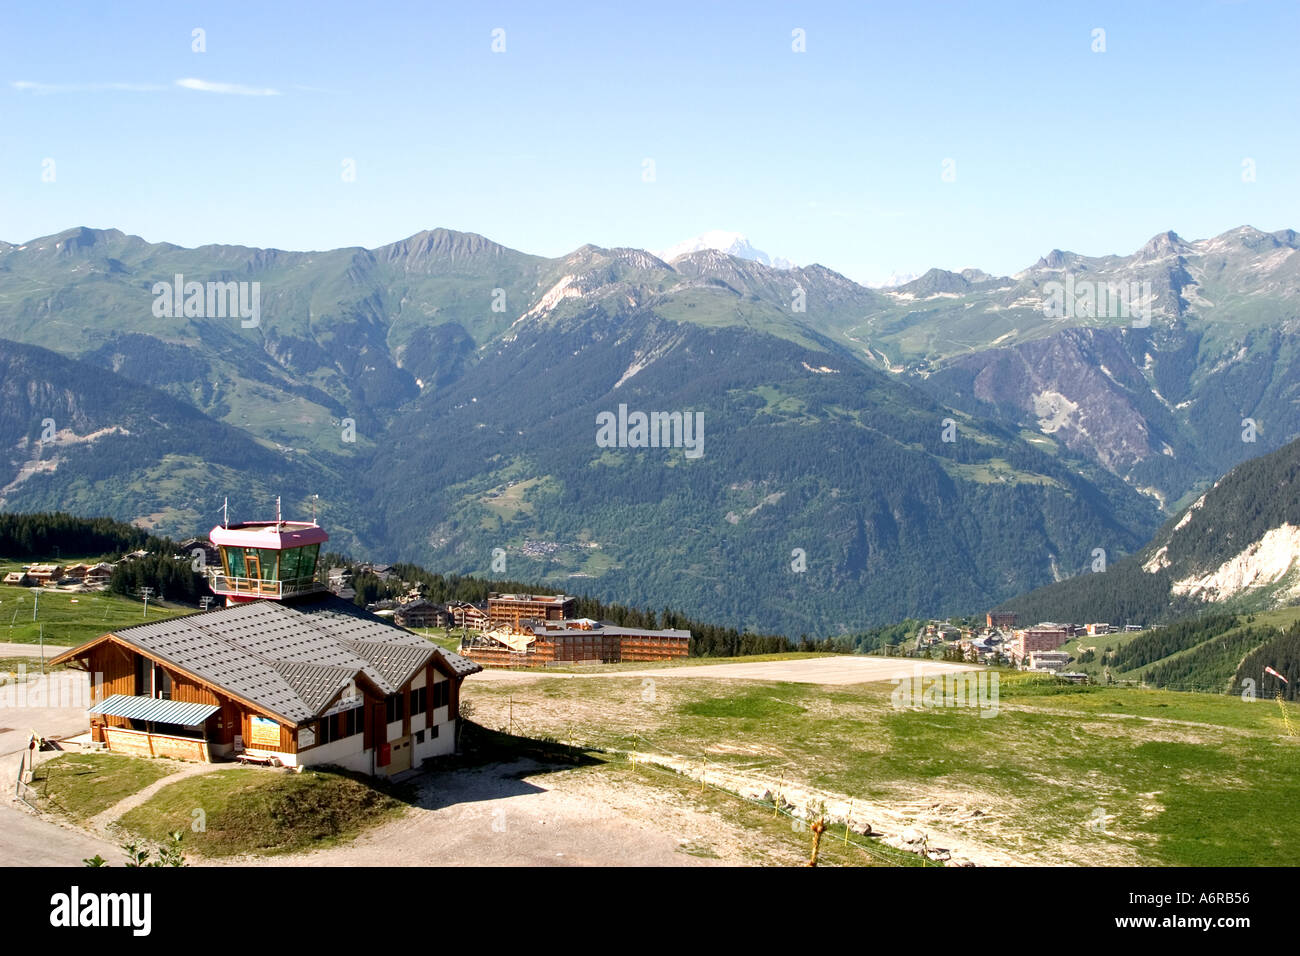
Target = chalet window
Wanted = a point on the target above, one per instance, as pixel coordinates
(162, 683)
(442, 694)
(354, 721)
(393, 708)
(329, 729)
(419, 700)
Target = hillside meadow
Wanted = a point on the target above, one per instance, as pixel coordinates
(1057, 774)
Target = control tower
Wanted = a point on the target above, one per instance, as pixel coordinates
(266, 560)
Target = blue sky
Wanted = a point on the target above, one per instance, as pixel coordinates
(833, 155)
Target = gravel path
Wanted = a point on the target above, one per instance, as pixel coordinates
(840, 669)
(101, 821)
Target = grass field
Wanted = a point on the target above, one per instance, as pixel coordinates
(1061, 773)
(254, 811)
(82, 785)
(69, 619)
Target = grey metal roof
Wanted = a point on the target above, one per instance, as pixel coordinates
(152, 708)
(291, 659)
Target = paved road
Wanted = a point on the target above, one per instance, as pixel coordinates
(29, 840)
(840, 669)
(54, 706)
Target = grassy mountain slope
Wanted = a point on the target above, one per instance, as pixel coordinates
(131, 452)
(802, 450)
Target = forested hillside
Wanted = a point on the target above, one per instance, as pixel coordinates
(1233, 548)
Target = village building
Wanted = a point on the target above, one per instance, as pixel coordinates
(537, 643)
(514, 609)
(199, 550)
(75, 573)
(285, 673)
(45, 575)
(1041, 637)
(471, 616)
(1048, 660)
(98, 575)
(422, 613)
(1001, 620)
(384, 572)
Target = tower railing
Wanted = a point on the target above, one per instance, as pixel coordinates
(262, 587)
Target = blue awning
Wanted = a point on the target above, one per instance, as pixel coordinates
(155, 709)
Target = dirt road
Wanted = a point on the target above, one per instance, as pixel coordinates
(525, 814)
(840, 669)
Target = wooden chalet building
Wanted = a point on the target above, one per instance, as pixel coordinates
(422, 613)
(467, 615)
(537, 643)
(45, 574)
(294, 675)
(514, 609)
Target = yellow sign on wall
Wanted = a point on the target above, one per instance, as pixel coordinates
(266, 733)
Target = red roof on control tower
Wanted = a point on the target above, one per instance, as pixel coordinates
(269, 534)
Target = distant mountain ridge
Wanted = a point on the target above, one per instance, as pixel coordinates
(439, 388)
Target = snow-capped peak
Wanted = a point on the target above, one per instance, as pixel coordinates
(732, 243)
(893, 280)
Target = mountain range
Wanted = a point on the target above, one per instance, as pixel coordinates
(868, 454)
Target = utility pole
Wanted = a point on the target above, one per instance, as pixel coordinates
(42, 648)
(36, 596)
(146, 593)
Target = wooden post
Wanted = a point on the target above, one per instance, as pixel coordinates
(817, 828)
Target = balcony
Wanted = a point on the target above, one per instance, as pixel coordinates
(261, 588)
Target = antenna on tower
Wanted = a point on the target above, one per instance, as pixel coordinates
(277, 509)
(313, 508)
(225, 513)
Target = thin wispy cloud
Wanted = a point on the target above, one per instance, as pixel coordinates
(31, 86)
(229, 89)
